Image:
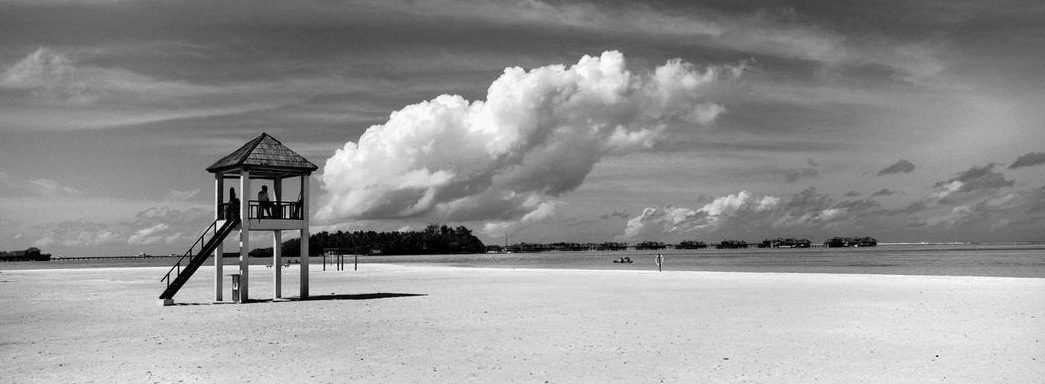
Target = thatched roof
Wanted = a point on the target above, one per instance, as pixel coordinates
(267, 156)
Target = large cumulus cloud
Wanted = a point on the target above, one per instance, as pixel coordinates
(537, 136)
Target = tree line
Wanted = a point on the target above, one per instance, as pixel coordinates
(434, 239)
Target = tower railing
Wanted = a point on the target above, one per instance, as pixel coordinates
(194, 249)
(283, 210)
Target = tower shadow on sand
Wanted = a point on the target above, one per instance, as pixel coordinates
(358, 296)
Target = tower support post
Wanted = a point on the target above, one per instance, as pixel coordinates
(277, 264)
(244, 237)
(219, 193)
(304, 236)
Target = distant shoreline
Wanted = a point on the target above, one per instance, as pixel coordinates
(935, 260)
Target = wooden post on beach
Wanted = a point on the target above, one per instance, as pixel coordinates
(244, 237)
(219, 198)
(303, 260)
(277, 277)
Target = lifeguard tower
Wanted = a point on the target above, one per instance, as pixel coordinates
(259, 162)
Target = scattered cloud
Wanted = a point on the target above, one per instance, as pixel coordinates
(884, 192)
(177, 196)
(77, 234)
(659, 222)
(173, 215)
(1028, 160)
(1020, 214)
(155, 229)
(901, 166)
(794, 175)
(810, 171)
(537, 136)
(46, 188)
(972, 180)
(852, 194)
(149, 235)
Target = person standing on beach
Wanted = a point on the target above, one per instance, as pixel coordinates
(660, 262)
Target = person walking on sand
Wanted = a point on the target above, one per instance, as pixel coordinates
(660, 262)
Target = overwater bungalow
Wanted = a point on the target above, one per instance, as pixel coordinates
(688, 244)
(645, 245)
(30, 254)
(785, 243)
(731, 244)
(842, 242)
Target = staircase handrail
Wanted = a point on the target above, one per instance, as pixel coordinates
(189, 254)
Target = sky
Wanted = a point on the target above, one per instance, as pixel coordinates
(539, 121)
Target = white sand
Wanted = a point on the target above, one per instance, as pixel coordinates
(532, 326)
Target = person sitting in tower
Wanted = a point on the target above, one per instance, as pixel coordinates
(265, 209)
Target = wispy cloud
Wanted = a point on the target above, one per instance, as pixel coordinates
(1028, 160)
(46, 188)
(780, 33)
(149, 235)
(974, 179)
(884, 192)
(65, 94)
(794, 175)
(177, 195)
(901, 166)
(55, 77)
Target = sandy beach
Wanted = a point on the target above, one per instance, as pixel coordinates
(396, 323)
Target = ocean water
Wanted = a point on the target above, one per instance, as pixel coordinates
(1006, 260)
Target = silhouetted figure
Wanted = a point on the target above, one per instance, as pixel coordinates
(265, 207)
(660, 262)
(232, 209)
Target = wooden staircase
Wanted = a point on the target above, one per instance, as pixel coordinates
(197, 254)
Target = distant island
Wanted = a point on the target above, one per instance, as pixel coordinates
(443, 239)
(434, 239)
